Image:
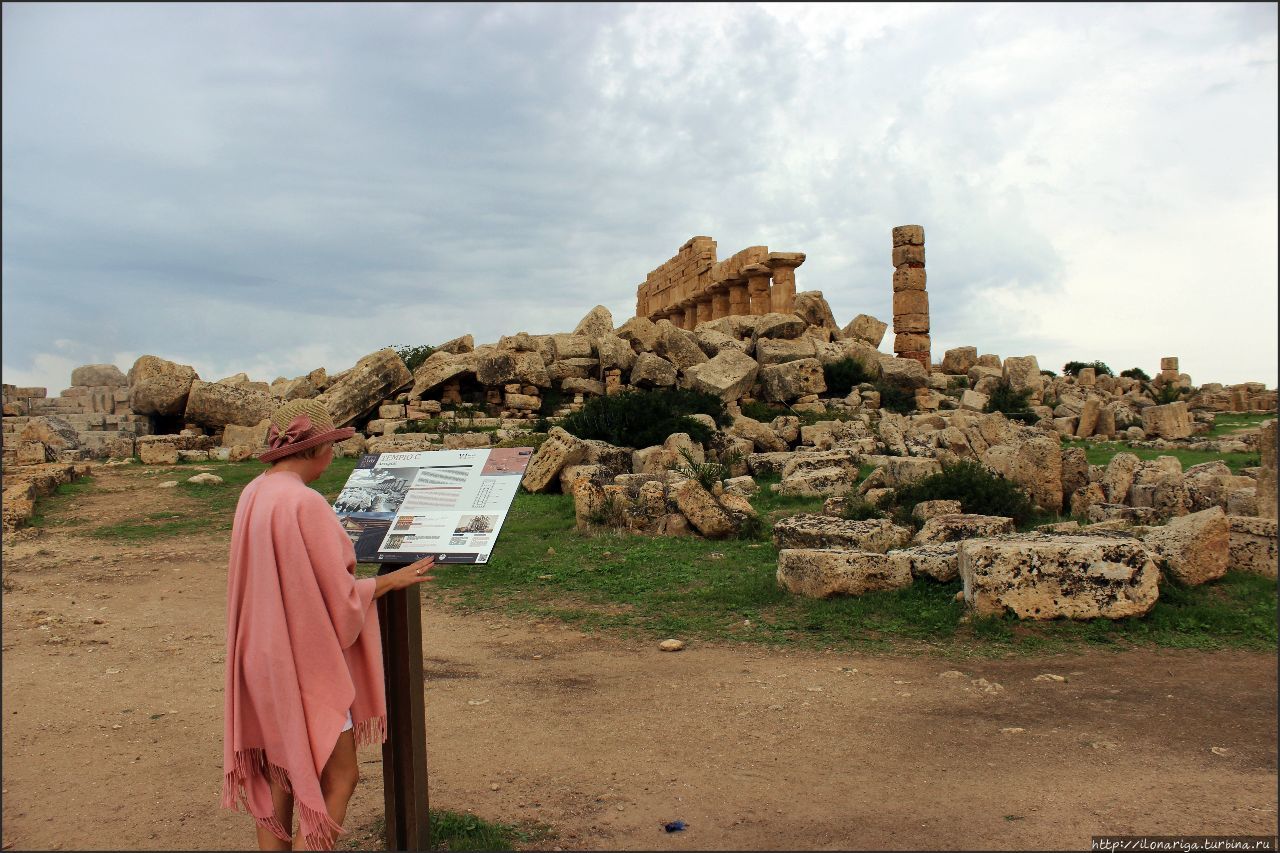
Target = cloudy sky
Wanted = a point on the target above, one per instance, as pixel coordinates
(274, 188)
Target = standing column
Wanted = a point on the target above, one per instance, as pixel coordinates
(758, 288)
(739, 299)
(719, 300)
(782, 297)
(690, 307)
(1169, 368)
(910, 301)
(703, 305)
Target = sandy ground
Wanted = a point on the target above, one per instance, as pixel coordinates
(112, 705)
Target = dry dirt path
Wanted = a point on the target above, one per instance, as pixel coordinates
(112, 706)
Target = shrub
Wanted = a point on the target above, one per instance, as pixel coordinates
(1073, 368)
(896, 399)
(552, 400)
(1047, 373)
(978, 490)
(645, 418)
(759, 410)
(844, 375)
(1167, 394)
(706, 473)
(860, 509)
(1136, 373)
(1010, 402)
(414, 356)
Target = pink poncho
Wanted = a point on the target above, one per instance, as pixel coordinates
(303, 648)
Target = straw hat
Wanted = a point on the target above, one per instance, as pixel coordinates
(299, 425)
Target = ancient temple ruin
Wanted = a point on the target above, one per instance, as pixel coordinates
(693, 287)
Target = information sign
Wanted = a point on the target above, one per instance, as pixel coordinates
(450, 504)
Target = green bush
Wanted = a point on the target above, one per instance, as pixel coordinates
(858, 509)
(1136, 373)
(978, 490)
(1167, 394)
(552, 401)
(1073, 368)
(759, 410)
(1010, 402)
(896, 399)
(644, 418)
(414, 356)
(844, 375)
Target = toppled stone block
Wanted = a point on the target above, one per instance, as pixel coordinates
(1192, 548)
(1170, 421)
(937, 560)
(729, 375)
(818, 573)
(652, 370)
(560, 449)
(866, 328)
(1046, 576)
(905, 470)
(926, 510)
(832, 480)
(702, 509)
(954, 527)
(358, 390)
(799, 463)
(158, 386)
(503, 366)
(598, 321)
(1252, 545)
(783, 382)
(157, 452)
(215, 404)
(957, 361)
(825, 532)
(96, 375)
(767, 464)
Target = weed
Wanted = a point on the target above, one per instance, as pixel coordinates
(706, 473)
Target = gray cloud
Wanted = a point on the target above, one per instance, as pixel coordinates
(251, 186)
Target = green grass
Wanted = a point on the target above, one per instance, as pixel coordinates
(1225, 423)
(452, 830)
(49, 508)
(1100, 453)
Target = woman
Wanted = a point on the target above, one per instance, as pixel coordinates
(304, 657)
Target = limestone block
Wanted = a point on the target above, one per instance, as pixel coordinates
(372, 379)
(938, 560)
(574, 385)
(909, 327)
(1252, 544)
(641, 333)
(767, 464)
(652, 370)
(703, 511)
(193, 455)
(158, 386)
(1267, 477)
(974, 401)
(809, 530)
(52, 431)
(1119, 475)
(955, 527)
(811, 307)
(560, 449)
(572, 368)
(787, 428)
(466, 440)
(614, 353)
(1088, 418)
(253, 436)
(588, 503)
(1023, 374)
(912, 302)
(959, 360)
(1045, 576)
(522, 402)
(1169, 421)
(1243, 501)
(571, 346)
(501, 366)
(99, 375)
(1192, 548)
(779, 351)
(908, 255)
(908, 278)
(440, 367)
(926, 510)
(822, 573)
(729, 375)
(866, 328)
(215, 404)
(779, 326)
(1075, 470)
(157, 452)
(597, 322)
(783, 382)
(908, 235)
(848, 460)
(832, 480)
(713, 342)
(905, 470)
(1035, 465)
(903, 372)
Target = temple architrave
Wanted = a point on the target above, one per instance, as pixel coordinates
(693, 286)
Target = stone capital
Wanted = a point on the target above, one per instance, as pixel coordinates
(756, 271)
(785, 259)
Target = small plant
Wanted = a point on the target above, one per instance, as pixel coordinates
(645, 418)
(1008, 401)
(979, 491)
(859, 509)
(1136, 373)
(844, 375)
(706, 473)
(1168, 393)
(414, 356)
(759, 410)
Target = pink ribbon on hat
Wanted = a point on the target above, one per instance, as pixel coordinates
(298, 427)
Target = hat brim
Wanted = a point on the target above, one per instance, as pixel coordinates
(307, 443)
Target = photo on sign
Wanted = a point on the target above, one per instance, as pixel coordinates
(375, 492)
(476, 524)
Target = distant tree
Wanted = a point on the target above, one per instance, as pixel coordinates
(1136, 373)
(414, 356)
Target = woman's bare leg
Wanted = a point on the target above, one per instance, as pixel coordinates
(337, 781)
(283, 803)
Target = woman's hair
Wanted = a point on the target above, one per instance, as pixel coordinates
(309, 453)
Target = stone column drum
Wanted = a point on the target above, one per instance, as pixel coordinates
(782, 297)
(910, 301)
(758, 288)
(739, 299)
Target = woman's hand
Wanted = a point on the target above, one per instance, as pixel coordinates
(405, 577)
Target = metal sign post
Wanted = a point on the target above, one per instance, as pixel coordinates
(404, 754)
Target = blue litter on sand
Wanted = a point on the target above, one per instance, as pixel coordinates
(674, 826)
